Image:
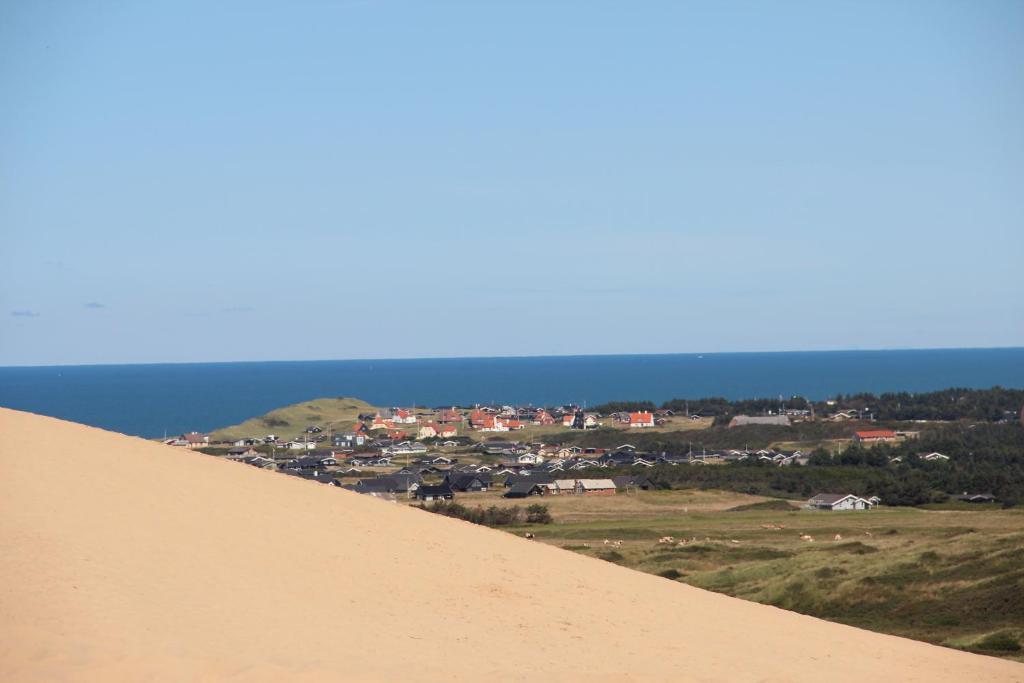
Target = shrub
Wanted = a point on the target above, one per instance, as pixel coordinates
(538, 514)
(1001, 641)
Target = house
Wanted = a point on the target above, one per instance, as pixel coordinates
(529, 459)
(195, 440)
(369, 460)
(468, 483)
(875, 436)
(584, 486)
(543, 417)
(312, 462)
(433, 430)
(838, 501)
(319, 476)
(391, 483)
(590, 487)
(239, 452)
(641, 419)
(449, 415)
(933, 457)
(742, 420)
(402, 416)
(491, 423)
(380, 423)
(405, 448)
(300, 445)
(261, 462)
(351, 439)
(246, 442)
(440, 492)
(527, 475)
(977, 498)
(628, 481)
(507, 448)
(524, 489)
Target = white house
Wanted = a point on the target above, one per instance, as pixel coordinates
(641, 419)
(933, 457)
(402, 416)
(838, 501)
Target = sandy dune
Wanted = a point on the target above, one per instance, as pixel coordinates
(128, 560)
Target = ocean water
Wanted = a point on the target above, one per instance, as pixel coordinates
(151, 400)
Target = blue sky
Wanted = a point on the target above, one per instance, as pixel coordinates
(185, 182)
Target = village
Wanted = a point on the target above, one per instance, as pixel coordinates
(428, 455)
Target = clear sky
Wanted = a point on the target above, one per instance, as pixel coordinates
(189, 181)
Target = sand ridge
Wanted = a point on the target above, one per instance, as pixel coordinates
(129, 560)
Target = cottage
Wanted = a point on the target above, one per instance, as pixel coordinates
(641, 419)
(584, 486)
(402, 416)
(628, 481)
(838, 501)
(440, 492)
(433, 430)
(934, 457)
(319, 476)
(351, 439)
(469, 483)
(380, 423)
(391, 483)
(502, 448)
(543, 417)
(743, 420)
(875, 436)
(449, 415)
(260, 461)
(524, 489)
(589, 487)
(194, 440)
(977, 498)
(492, 423)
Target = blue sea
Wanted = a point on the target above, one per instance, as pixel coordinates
(151, 400)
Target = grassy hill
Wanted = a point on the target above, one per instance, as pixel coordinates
(954, 578)
(290, 422)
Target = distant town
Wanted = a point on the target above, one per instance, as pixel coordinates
(437, 454)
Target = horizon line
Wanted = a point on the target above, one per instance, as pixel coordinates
(512, 357)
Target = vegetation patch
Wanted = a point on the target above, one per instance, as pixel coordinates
(854, 547)
(611, 556)
(777, 504)
(1000, 641)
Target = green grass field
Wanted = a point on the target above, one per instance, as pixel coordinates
(951, 577)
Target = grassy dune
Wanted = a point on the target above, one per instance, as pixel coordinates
(289, 422)
(954, 578)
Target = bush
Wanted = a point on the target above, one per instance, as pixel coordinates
(1002, 641)
(492, 516)
(538, 514)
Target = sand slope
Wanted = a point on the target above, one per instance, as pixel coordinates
(127, 560)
